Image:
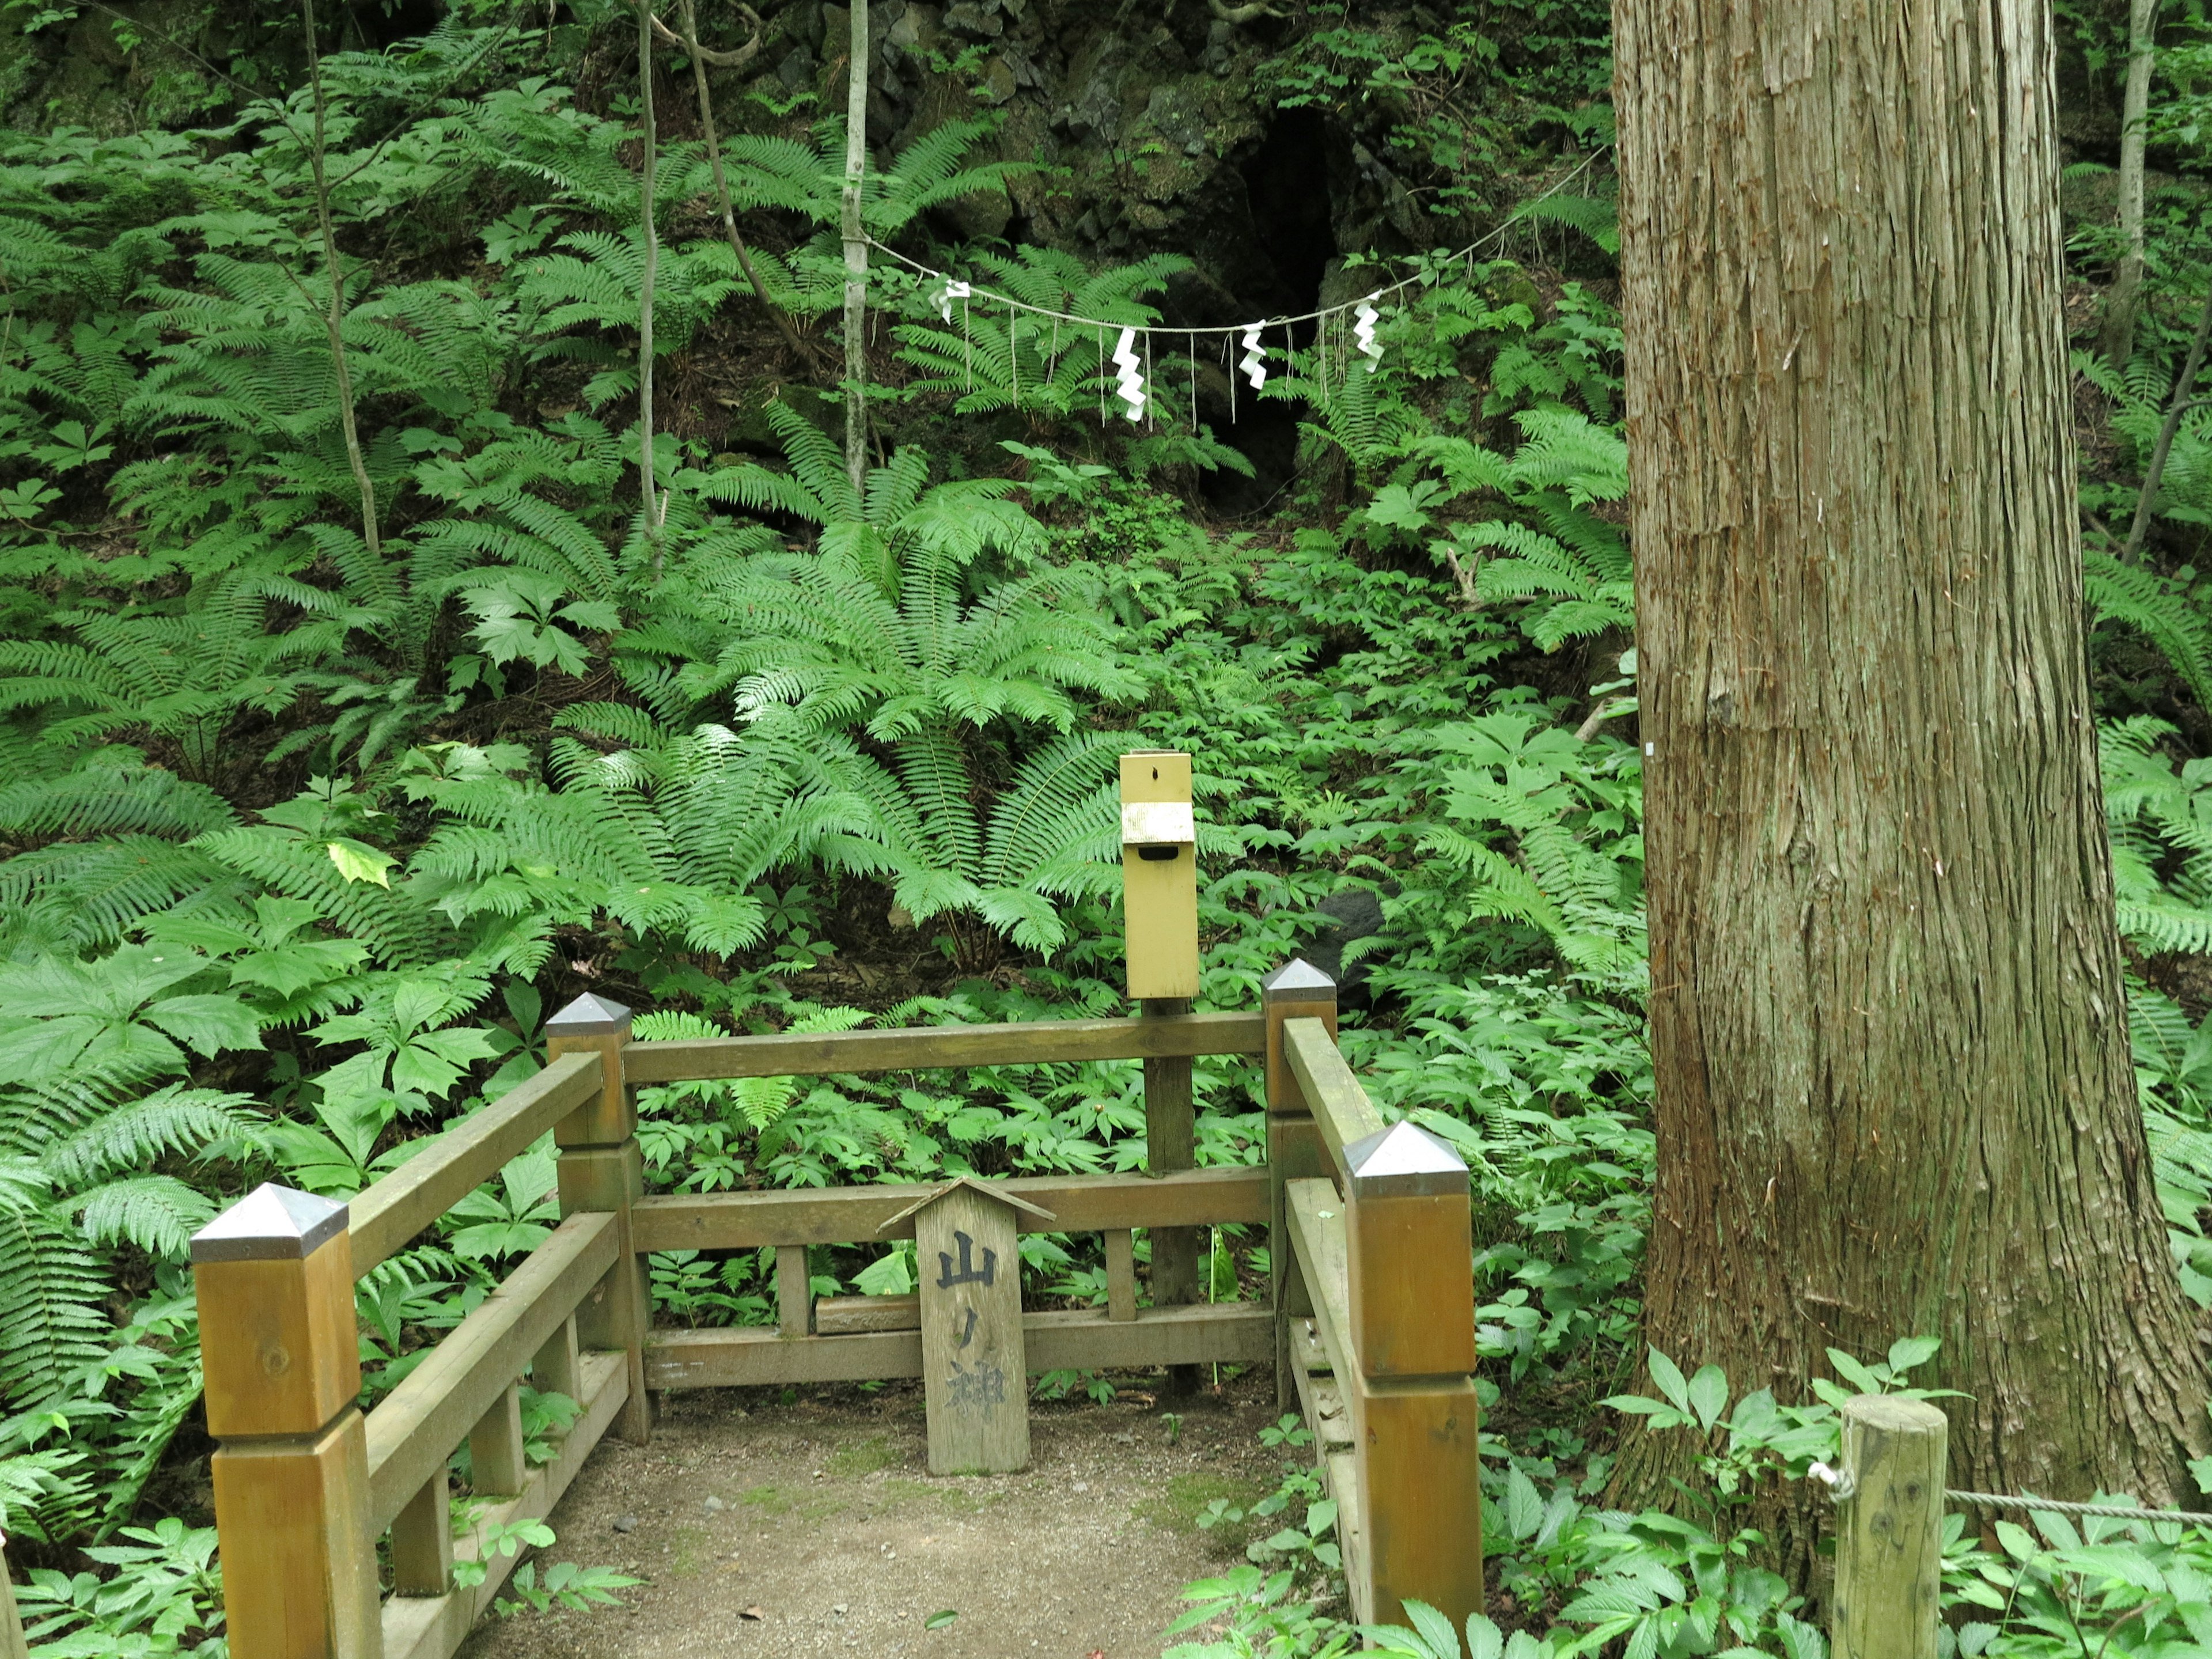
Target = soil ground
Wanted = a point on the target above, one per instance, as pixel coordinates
(814, 1513)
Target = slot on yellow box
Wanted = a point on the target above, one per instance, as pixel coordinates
(1159, 874)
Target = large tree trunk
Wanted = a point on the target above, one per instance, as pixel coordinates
(1888, 1018)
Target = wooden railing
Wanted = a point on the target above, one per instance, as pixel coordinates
(1375, 1289)
(1369, 1326)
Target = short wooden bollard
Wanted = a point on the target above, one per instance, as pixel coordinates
(274, 1277)
(1889, 1549)
(975, 1365)
(601, 1167)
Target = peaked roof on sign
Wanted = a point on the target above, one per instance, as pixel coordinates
(988, 1189)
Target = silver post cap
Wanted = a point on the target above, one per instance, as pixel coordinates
(1404, 1161)
(1297, 980)
(587, 1016)
(269, 1224)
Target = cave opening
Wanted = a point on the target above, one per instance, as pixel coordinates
(1286, 188)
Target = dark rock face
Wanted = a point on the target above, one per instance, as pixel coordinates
(1152, 133)
(1354, 914)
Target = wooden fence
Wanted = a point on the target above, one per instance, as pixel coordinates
(1370, 1326)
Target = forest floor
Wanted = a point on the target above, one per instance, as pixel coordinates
(773, 1526)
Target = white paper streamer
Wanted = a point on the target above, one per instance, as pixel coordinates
(1362, 331)
(953, 290)
(1132, 389)
(1255, 364)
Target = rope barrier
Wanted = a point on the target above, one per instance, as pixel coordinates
(1326, 312)
(2116, 1511)
(1841, 1489)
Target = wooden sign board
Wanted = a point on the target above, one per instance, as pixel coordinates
(974, 1371)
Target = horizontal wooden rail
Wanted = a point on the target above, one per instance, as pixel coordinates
(1083, 1339)
(849, 1215)
(416, 1429)
(1033, 1043)
(433, 1626)
(1316, 1217)
(1339, 1106)
(397, 1207)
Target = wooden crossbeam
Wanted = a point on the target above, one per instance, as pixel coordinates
(1032, 1043)
(846, 1215)
(1085, 1339)
(397, 1207)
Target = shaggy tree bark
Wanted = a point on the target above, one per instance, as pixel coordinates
(1887, 1019)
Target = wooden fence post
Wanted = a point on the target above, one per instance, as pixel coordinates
(12, 1644)
(602, 1169)
(1410, 1261)
(274, 1278)
(1297, 990)
(1889, 1552)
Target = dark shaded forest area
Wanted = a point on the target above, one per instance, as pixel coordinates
(432, 587)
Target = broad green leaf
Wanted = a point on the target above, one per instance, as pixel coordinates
(1668, 1376)
(207, 1025)
(1708, 1393)
(1854, 1373)
(1524, 1506)
(1436, 1631)
(1907, 1352)
(356, 861)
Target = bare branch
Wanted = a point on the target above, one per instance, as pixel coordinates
(1244, 14)
(689, 44)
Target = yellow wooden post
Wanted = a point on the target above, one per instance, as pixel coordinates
(602, 1169)
(1889, 1550)
(282, 1362)
(1297, 990)
(1410, 1261)
(1159, 912)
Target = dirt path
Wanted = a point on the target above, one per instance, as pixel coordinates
(818, 1514)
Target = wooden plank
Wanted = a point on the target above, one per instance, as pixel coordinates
(973, 1376)
(1341, 1470)
(1082, 1338)
(1085, 1339)
(851, 1215)
(280, 1350)
(434, 1627)
(844, 1315)
(415, 1429)
(794, 1291)
(1120, 1274)
(12, 1644)
(395, 1209)
(609, 1181)
(1170, 1147)
(291, 1512)
(752, 1355)
(1297, 990)
(1034, 1042)
(553, 1369)
(497, 1466)
(1316, 1216)
(423, 1541)
(1339, 1106)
